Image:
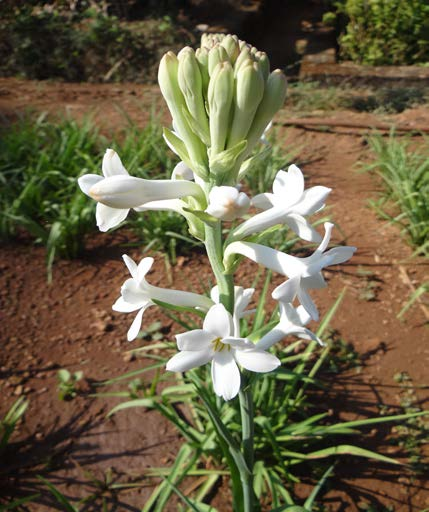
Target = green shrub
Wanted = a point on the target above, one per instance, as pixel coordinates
(384, 32)
(87, 45)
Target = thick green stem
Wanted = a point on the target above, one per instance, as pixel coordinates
(213, 243)
(247, 432)
(214, 248)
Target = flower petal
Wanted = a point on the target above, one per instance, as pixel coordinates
(312, 200)
(225, 375)
(308, 304)
(340, 254)
(124, 307)
(237, 342)
(131, 265)
(87, 181)
(257, 360)
(133, 293)
(143, 268)
(218, 321)
(286, 292)
(198, 339)
(302, 227)
(186, 360)
(112, 165)
(263, 201)
(288, 186)
(182, 171)
(134, 330)
(108, 218)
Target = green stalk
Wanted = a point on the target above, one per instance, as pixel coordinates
(247, 433)
(214, 248)
(213, 243)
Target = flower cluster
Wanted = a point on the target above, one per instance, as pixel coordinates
(221, 97)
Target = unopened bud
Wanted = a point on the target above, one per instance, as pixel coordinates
(220, 95)
(242, 59)
(264, 64)
(168, 82)
(272, 101)
(216, 54)
(202, 55)
(190, 84)
(249, 90)
(230, 43)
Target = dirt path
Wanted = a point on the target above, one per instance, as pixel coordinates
(70, 324)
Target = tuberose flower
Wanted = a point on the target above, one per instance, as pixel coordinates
(288, 204)
(227, 203)
(242, 298)
(137, 295)
(215, 343)
(308, 269)
(292, 320)
(117, 191)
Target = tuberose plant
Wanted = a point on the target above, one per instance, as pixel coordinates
(221, 98)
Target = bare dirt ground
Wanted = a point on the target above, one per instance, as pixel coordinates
(70, 325)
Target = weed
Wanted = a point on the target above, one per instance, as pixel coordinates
(405, 174)
(10, 420)
(67, 381)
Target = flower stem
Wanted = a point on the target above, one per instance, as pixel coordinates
(247, 432)
(213, 243)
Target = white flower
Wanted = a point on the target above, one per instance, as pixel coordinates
(137, 295)
(292, 320)
(308, 269)
(242, 298)
(117, 191)
(106, 216)
(288, 204)
(215, 343)
(227, 203)
(182, 172)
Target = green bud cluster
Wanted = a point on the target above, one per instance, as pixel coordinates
(221, 97)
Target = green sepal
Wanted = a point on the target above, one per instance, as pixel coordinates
(253, 162)
(180, 149)
(223, 162)
(203, 216)
(196, 127)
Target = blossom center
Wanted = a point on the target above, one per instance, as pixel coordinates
(218, 345)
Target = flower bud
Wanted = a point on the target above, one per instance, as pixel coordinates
(190, 84)
(202, 55)
(249, 90)
(216, 54)
(168, 82)
(220, 95)
(264, 64)
(230, 43)
(243, 57)
(272, 101)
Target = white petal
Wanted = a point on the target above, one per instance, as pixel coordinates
(308, 304)
(302, 228)
(133, 293)
(179, 297)
(288, 186)
(214, 294)
(325, 242)
(303, 316)
(134, 330)
(131, 265)
(312, 200)
(260, 222)
(340, 254)
(275, 260)
(198, 339)
(257, 360)
(125, 191)
(186, 360)
(225, 375)
(124, 307)
(108, 218)
(182, 171)
(112, 165)
(143, 268)
(218, 321)
(263, 201)
(269, 339)
(166, 205)
(238, 342)
(287, 291)
(87, 181)
(313, 282)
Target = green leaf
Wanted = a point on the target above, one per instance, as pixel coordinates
(225, 161)
(62, 500)
(139, 402)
